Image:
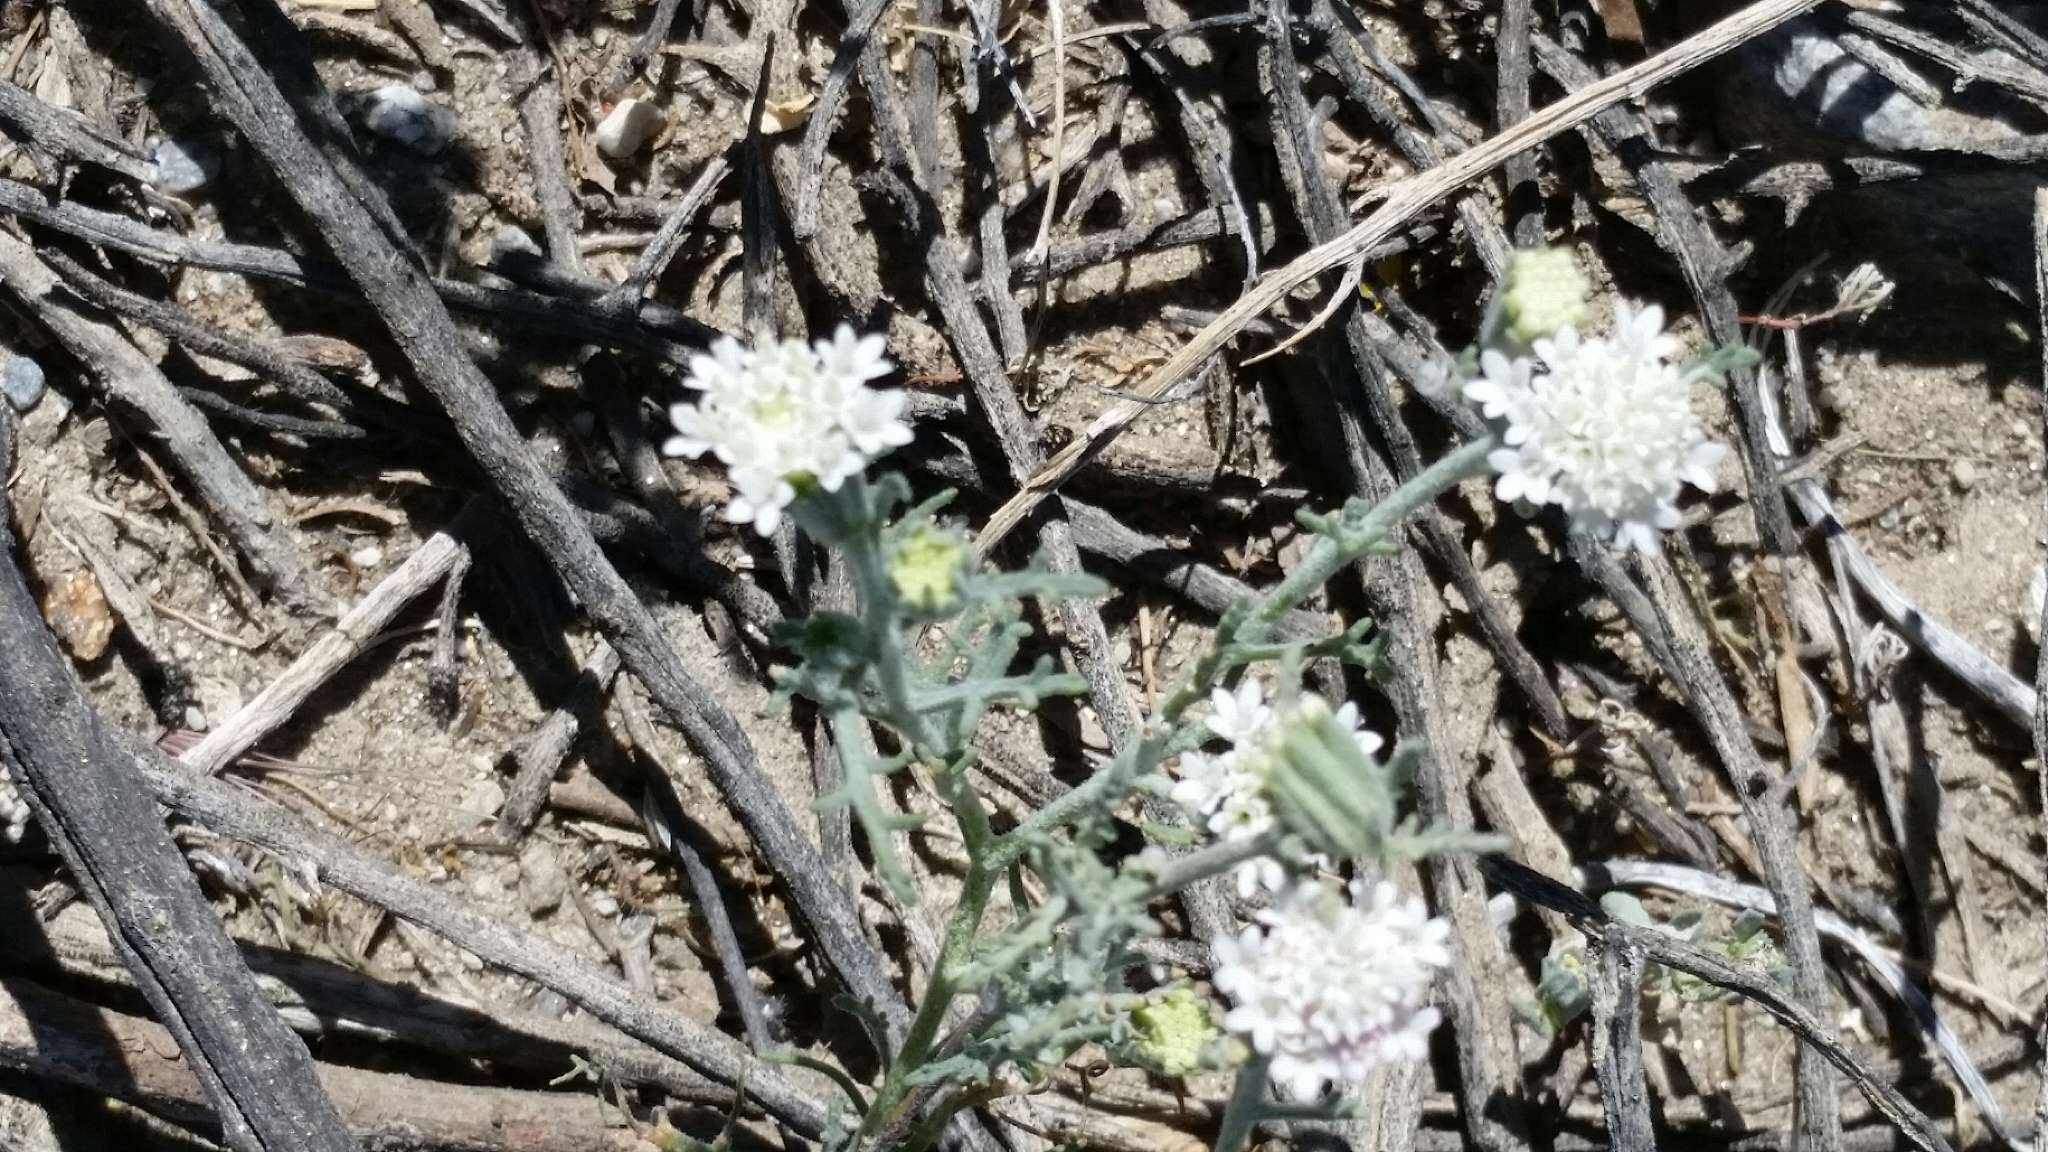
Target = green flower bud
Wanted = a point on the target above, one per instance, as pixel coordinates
(925, 568)
(1546, 291)
(1174, 1032)
(1324, 783)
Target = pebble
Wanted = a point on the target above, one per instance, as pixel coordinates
(604, 904)
(2037, 592)
(22, 380)
(216, 696)
(195, 718)
(184, 166)
(398, 112)
(626, 128)
(483, 799)
(542, 883)
(76, 610)
(1965, 473)
(368, 556)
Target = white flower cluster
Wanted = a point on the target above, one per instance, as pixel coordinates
(1226, 793)
(1331, 988)
(1602, 428)
(787, 416)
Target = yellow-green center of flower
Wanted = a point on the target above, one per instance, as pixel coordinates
(775, 412)
(1546, 291)
(1173, 1032)
(926, 567)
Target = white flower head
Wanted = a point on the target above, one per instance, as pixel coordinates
(786, 416)
(1331, 988)
(1602, 428)
(14, 813)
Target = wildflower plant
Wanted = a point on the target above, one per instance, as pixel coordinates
(1289, 794)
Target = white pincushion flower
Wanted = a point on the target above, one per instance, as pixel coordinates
(1205, 782)
(1331, 988)
(787, 416)
(1602, 428)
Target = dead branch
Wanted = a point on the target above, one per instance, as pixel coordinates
(53, 1037)
(96, 812)
(239, 816)
(354, 632)
(132, 381)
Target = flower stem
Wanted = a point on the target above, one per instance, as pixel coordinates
(1247, 1099)
(922, 1036)
(1362, 528)
(1214, 860)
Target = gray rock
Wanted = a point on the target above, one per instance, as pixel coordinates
(399, 113)
(22, 380)
(542, 883)
(184, 166)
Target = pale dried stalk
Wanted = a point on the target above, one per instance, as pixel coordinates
(282, 697)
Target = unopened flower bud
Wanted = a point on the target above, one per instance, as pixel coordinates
(1175, 1032)
(1324, 784)
(925, 567)
(1546, 291)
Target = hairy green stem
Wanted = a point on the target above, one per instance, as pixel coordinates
(922, 1037)
(1247, 1100)
(1214, 860)
(1330, 554)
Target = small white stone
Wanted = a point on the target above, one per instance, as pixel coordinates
(604, 904)
(543, 884)
(184, 166)
(398, 112)
(368, 556)
(195, 718)
(627, 128)
(483, 798)
(1965, 474)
